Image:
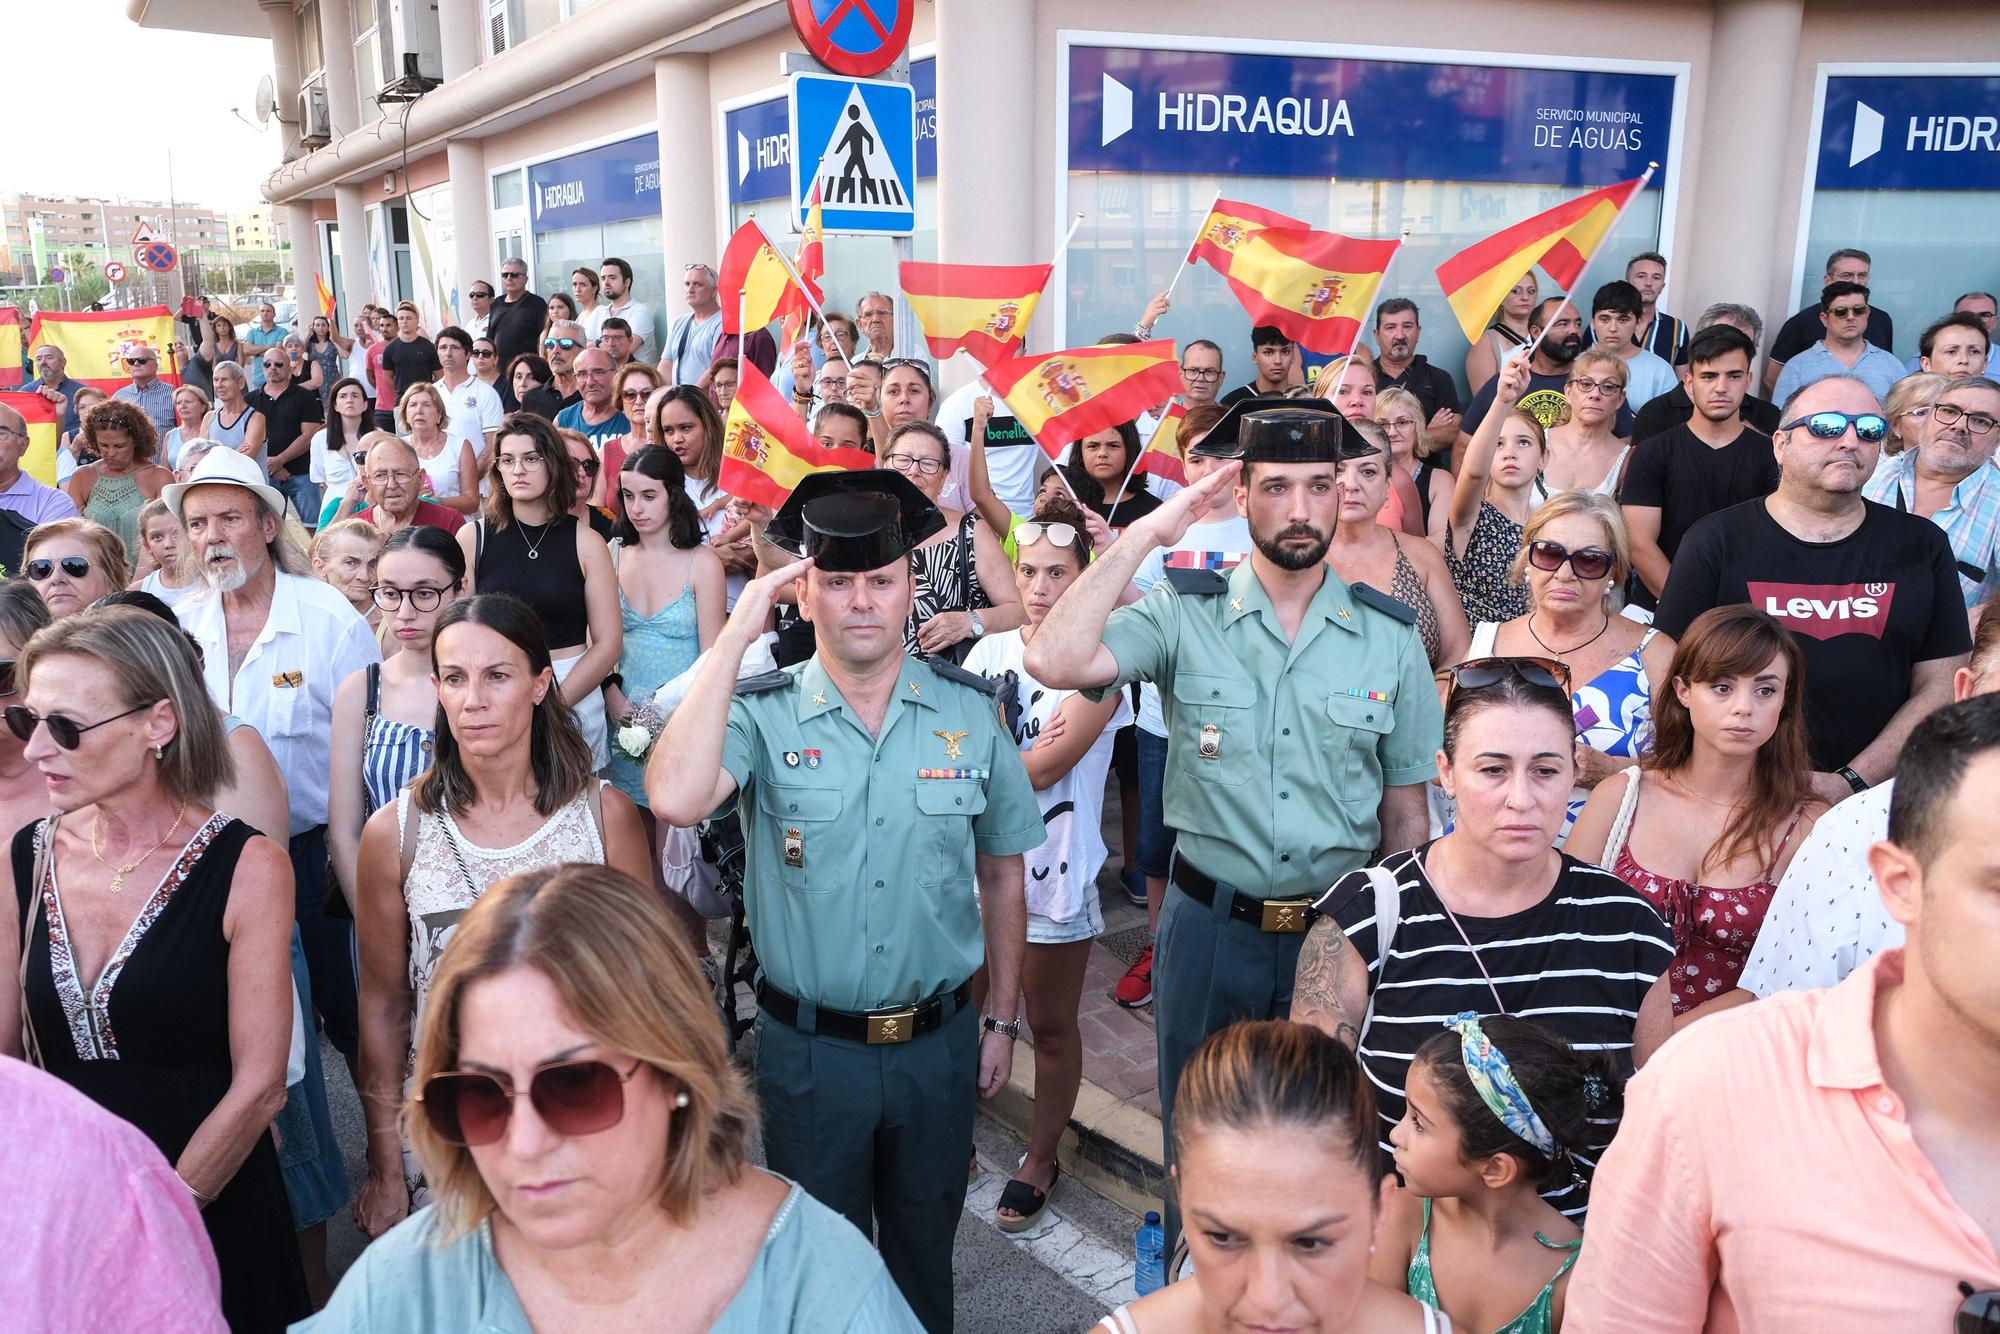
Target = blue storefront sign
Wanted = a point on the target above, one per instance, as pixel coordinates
(1910, 132)
(599, 185)
(758, 144)
(1239, 114)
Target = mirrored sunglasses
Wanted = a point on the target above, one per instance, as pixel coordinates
(1869, 426)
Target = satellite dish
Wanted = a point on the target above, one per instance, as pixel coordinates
(266, 101)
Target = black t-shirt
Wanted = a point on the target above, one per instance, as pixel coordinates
(285, 417)
(1804, 329)
(1544, 401)
(1243, 391)
(411, 363)
(1665, 411)
(1434, 388)
(1687, 480)
(1129, 510)
(1865, 609)
(516, 327)
(545, 402)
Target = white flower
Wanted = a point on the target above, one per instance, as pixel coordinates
(634, 740)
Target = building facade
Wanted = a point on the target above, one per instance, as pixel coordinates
(563, 131)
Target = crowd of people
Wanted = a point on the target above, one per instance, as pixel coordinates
(1471, 739)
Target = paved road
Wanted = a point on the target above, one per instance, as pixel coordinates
(1049, 1281)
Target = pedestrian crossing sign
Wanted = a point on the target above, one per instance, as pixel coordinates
(857, 140)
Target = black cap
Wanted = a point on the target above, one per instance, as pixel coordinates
(852, 522)
(1304, 431)
(1221, 440)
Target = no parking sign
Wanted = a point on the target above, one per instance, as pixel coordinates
(854, 37)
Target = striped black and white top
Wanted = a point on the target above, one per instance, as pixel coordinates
(1580, 961)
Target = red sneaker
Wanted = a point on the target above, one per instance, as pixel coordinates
(1135, 989)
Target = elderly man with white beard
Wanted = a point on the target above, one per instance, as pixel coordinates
(275, 645)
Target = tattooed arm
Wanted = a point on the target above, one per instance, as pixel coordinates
(1331, 988)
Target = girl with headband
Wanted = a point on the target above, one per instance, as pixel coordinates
(1497, 1110)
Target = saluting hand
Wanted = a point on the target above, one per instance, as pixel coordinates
(1169, 523)
(754, 604)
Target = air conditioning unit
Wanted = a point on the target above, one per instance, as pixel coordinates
(315, 125)
(499, 26)
(416, 54)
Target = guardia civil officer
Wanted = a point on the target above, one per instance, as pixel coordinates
(872, 786)
(1302, 722)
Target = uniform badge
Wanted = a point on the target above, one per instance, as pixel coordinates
(819, 699)
(1236, 604)
(1342, 614)
(1211, 742)
(915, 689)
(812, 759)
(795, 849)
(951, 740)
(791, 759)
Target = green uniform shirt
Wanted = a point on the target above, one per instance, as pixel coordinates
(858, 875)
(1277, 752)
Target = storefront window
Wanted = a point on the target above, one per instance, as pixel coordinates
(601, 202)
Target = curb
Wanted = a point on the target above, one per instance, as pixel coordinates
(1110, 1146)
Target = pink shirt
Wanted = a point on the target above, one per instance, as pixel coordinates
(1764, 1179)
(97, 1232)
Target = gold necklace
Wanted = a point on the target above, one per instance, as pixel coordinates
(118, 873)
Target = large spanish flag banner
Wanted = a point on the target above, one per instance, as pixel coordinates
(1315, 286)
(754, 282)
(11, 374)
(983, 308)
(95, 342)
(766, 448)
(44, 431)
(1229, 224)
(1476, 279)
(1061, 397)
(1164, 451)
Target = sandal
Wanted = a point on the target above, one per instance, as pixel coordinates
(1027, 1202)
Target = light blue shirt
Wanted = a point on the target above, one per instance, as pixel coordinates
(1648, 376)
(813, 1273)
(691, 344)
(1877, 369)
(1970, 519)
(260, 338)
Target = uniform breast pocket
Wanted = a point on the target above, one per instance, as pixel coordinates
(942, 849)
(1212, 733)
(1354, 744)
(802, 826)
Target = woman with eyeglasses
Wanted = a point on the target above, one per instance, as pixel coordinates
(964, 587)
(633, 391)
(1491, 918)
(486, 361)
(1583, 454)
(343, 558)
(1905, 408)
(72, 563)
(24, 797)
(232, 421)
(528, 542)
(509, 788)
(1420, 491)
(451, 469)
(589, 503)
(336, 452)
(1364, 550)
(158, 976)
(587, 1138)
(1499, 485)
(122, 476)
(1507, 332)
(1706, 823)
(383, 715)
(1065, 742)
(160, 539)
(1574, 557)
(191, 407)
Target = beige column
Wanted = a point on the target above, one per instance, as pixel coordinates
(1741, 224)
(691, 228)
(357, 280)
(336, 44)
(458, 36)
(285, 69)
(983, 139)
(305, 260)
(471, 225)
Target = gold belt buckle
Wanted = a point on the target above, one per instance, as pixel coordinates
(893, 1026)
(1285, 915)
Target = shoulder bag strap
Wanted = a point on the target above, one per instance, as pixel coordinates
(478, 545)
(594, 792)
(374, 705)
(1388, 916)
(406, 841)
(31, 1049)
(1621, 824)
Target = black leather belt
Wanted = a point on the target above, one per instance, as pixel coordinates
(874, 1027)
(1279, 915)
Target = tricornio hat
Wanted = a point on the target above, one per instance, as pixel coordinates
(1300, 434)
(224, 467)
(852, 522)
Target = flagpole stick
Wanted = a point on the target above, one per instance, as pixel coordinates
(1584, 272)
(804, 291)
(1374, 300)
(1067, 238)
(1188, 258)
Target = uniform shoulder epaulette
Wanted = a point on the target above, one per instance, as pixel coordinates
(1185, 582)
(758, 684)
(1395, 608)
(951, 671)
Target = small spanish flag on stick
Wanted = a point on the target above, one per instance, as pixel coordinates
(766, 448)
(1163, 452)
(1561, 240)
(1061, 397)
(982, 308)
(756, 276)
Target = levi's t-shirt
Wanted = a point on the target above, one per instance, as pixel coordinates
(1865, 609)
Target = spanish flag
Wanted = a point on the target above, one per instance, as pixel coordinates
(1315, 286)
(810, 262)
(11, 360)
(1228, 225)
(1477, 279)
(983, 308)
(1061, 397)
(325, 295)
(1163, 452)
(754, 282)
(95, 341)
(44, 420)
(766, 448)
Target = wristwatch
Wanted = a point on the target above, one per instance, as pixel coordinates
(1010, 1029)
(978, 626)
(1854, 780)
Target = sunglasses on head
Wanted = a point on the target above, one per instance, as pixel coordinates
(65, 731)
(566, 344)
(1869, 426)
(1480, 673)
(41, 569)
(1062, 534)
(1585, 562)
(470, 1109)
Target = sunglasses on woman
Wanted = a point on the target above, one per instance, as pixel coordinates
(41, 568)
(1587, 562)
(1479, 673)
(470, 1109)
(1062, 534)
(1868, 426)
(67, 732)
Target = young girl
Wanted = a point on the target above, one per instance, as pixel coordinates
(1495, 1109)
(1499, 484)
(160, 540)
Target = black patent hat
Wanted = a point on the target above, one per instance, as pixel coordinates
(853, 522)
(1307, 430)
